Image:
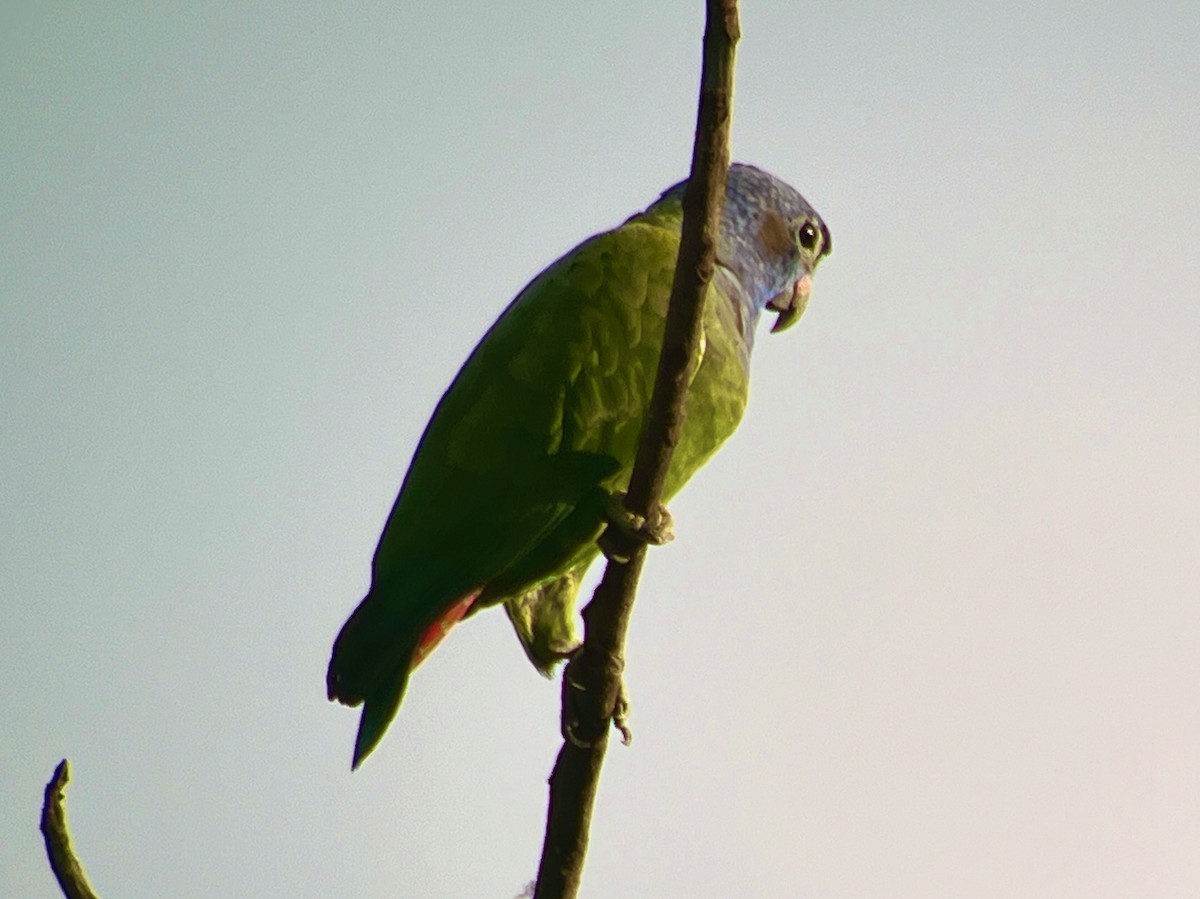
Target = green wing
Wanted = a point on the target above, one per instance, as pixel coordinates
(544, 415)
(544, 615)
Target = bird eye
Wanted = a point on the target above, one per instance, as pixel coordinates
(808, 235)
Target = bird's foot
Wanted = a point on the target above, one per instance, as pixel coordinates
(621, 712)
(574, 694)
(656, 528)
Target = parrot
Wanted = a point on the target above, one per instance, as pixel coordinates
(524, 461)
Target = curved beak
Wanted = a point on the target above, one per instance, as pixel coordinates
(790, 304)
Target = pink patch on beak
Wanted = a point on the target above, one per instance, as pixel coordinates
(803, 285)
(435, 632)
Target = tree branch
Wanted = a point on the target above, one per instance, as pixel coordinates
(592, 683)
(64, 864)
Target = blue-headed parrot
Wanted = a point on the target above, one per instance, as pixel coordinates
(513, 481)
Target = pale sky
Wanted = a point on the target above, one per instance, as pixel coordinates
(931, 625)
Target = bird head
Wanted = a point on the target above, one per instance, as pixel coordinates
(772, 241)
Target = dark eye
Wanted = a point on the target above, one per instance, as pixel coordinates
(808, 235)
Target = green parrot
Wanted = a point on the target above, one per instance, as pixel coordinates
(521, 466)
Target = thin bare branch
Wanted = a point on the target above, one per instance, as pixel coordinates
(592, 683)
(64, 864)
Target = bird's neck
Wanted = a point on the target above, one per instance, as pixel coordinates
(748, 280)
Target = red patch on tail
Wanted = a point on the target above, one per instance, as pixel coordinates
(435, 632)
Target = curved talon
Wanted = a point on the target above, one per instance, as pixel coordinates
(621, 712)
(626, 733)
(570, 723)
(570, 719)
(656, 529)
(569, 735)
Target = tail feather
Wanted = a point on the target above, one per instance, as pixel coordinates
(369, 667)
(377, 714)
(371, 645)
(377, 649)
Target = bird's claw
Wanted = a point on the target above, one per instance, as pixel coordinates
(570, 721)
(656, 528)
(570, 724)
(621, 713)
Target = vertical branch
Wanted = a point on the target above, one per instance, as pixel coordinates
(66, 867)
(591, 691)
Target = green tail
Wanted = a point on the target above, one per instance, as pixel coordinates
(370, 666)
(378, 711)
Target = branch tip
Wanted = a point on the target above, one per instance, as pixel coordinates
(63, 862)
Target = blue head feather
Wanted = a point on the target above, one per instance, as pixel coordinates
(757, 244)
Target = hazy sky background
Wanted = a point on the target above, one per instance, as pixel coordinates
(931, 626)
